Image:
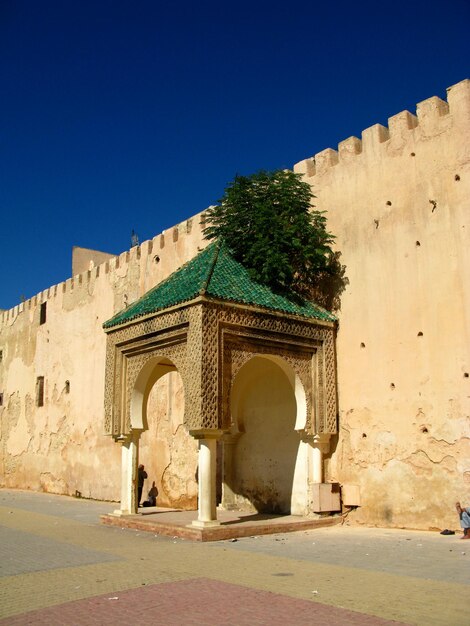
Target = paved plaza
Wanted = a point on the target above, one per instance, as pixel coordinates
(60, 566)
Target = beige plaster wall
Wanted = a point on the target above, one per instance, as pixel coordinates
(399, 203)
(166, 449)
(57, 447)
(60, 447)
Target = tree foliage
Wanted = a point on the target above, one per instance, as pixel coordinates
(270, 226)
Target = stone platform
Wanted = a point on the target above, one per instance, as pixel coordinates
(232, 524)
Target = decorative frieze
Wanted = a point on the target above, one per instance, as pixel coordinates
(208, 342)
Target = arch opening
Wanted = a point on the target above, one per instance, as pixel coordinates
(268, 406)
(166, 448)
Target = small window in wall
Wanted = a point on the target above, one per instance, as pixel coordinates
(40, 391)
(1, 399)
(42, 315)
(1, 356)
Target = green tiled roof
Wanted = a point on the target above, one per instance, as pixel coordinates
(214, 273)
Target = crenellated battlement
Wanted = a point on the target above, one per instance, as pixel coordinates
(396, 199)
(433, 116)
(150, 251)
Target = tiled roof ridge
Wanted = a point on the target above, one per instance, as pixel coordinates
(181, 268)
(215, 274)
(217, 245)
(115, 321)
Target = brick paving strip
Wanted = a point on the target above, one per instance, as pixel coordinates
(195, 602)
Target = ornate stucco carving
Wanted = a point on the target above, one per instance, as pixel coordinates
(209, 343)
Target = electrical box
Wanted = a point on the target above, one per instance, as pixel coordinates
(326, 497)
(351, 495)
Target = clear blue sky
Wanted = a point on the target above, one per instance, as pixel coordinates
(120, 115)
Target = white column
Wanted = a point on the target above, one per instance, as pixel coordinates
(317, 464)
(300, 482)
(129, 459)
(207, 509)
(320, 444)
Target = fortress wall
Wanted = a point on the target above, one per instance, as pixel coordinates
(399, 203)
(60, 447)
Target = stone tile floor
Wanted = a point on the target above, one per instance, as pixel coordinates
(232, 524)
(58, 565)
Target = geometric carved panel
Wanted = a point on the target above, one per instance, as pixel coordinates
(209, 342)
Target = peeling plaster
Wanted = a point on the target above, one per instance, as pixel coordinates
(167, 450)
(61, 437)
(52, 484)
(19, 438)
(407, 477)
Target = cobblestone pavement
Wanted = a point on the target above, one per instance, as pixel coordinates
(59, 566)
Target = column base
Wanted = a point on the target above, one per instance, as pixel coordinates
(201, 524)
(120, 513)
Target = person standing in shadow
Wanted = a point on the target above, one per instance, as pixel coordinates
(141, 476)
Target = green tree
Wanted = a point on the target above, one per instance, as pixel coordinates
(268, 222)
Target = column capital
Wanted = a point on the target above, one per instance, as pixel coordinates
(321, 438)
(206, 433)
(317, 440)
(122, 439)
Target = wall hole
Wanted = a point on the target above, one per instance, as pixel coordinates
(364, 436)
(40, 391)
(42, 314)
(423, 429)
(412, 154)
(420, 334)
(457, 177)
(363, 345)
(392, 386)
(388, 203)
(156, 258)
(67, 386)
(417, 244)
(1, 399)
(466, 375)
